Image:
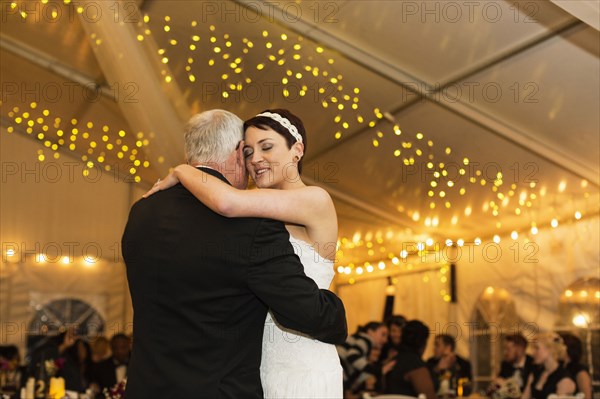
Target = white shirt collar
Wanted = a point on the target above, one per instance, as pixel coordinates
(520, 364)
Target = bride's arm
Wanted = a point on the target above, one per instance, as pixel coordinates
(300, 206)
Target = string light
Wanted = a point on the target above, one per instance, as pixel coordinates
(92, 137)
(345, 101)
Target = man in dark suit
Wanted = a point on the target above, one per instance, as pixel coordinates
(516, 363)
(446, 364)
(201, 284)
(107, 373)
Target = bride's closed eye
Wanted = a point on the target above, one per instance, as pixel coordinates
(248, 151)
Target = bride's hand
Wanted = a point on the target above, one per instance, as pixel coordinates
(163, 184)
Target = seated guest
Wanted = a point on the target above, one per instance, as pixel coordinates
(516, 363)
(77, 366)
(410, 375)
(47, 348)
(114, 369)
(578, 371)
(367, 379)
(10, 366)
(552, 377)
(390, 349)
(100, 349)
(445, 364)
(354, 354)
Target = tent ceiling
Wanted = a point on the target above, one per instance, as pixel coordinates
(61, 37)
(550, 95)
(433, 42)
(381, 48)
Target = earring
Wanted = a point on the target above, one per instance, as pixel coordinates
(296, 158)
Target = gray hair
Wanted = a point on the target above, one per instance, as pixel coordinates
(211, 136)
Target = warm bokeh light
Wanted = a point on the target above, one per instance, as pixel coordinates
(581, 320)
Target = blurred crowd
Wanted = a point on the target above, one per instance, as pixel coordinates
(379, 358)
(86, 366)
(387, 358)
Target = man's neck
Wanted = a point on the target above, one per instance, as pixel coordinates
(228, 177)
(520, 362)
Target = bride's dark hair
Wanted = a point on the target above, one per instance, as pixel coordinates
(264, 123)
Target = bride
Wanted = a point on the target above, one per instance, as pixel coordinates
(293, 365)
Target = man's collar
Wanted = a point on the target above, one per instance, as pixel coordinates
(521, 363)
(119, 363)
(212, 172)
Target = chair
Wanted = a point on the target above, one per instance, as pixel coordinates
(580, 395)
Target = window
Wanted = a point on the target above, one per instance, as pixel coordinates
(54, 317)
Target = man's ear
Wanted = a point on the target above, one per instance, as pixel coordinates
(240, 154)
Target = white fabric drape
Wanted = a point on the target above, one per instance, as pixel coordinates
(50, 207)
(535, 274)
(364, 302)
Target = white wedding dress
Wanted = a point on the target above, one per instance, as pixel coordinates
(293, 364)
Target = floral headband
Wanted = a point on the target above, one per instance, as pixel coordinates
(285, 123)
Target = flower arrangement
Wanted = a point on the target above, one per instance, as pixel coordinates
(116, 392)
(506, 389)
(53, 366)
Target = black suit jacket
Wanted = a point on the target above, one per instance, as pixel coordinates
(104, 373)
(460, 369)
(507, 370)
(201, 285)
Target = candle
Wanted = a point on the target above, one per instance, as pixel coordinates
(29, 388)
(61, 388)
(57, 388)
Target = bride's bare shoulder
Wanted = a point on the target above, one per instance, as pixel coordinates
(319, 195)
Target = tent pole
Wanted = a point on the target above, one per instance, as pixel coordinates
(158, 108)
